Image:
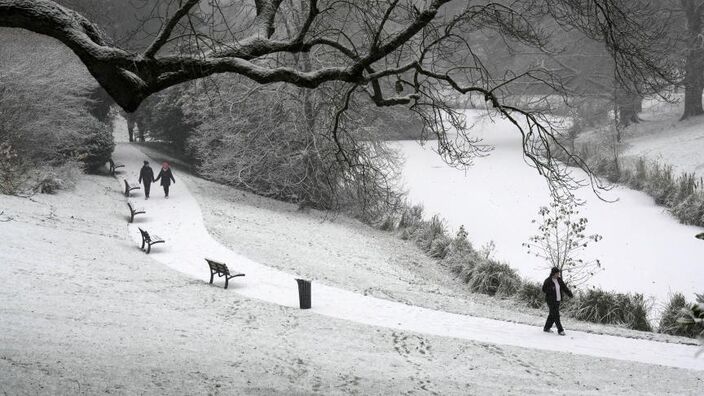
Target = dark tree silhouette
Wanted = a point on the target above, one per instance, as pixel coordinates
(397, 52)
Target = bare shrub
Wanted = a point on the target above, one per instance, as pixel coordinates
(561, 239)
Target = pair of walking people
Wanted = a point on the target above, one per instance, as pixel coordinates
(146, 176)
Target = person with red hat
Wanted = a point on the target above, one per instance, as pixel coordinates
(166, 177)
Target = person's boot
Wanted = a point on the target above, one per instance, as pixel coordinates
(562, 332)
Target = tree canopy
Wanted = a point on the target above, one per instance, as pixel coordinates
(416, 53)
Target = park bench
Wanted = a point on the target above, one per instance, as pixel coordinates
(221, 270)
(129, 188)
(149, 240)
(134, 211)
(113, 166)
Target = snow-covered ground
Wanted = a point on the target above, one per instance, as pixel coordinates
(83, 310)
(643, 250)
(662, 137)
(179, 220)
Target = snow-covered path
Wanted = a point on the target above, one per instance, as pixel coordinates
(179, 221)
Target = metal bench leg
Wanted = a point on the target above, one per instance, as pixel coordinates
(226, 279)
(131, 217)
(149, 248)
(211, 277)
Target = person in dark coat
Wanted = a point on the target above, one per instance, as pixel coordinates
(166, 177)
(554, 289)
(146, 176)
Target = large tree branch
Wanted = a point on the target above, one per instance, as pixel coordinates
(129, 78)
(165, 32)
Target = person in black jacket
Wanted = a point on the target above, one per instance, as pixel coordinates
(146, 176)
(554, 289)
(166, 177)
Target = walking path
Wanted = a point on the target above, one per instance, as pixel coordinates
(179, 221)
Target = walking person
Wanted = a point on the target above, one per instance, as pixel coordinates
(554, 288)
(166, 177)
(146, 176)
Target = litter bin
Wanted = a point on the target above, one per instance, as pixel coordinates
(304, 293)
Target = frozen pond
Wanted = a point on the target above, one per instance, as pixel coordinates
(644, 249)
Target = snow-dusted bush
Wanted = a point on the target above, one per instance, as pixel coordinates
(494, 278)
(411, 217)
(15, 172)
(19, 177)
(461, 257)
(692, 318)
(275, 141)
(439, 247)
(690, 210)
(389, 224)
(661, 184)
(46, 105)
(676, 309)
(531, 293)
(599, 306)
(430, 231)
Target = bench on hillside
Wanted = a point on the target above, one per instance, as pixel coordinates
(129, 188)
(114, 166)
(221, 270)
(149, 240)
(134, 211)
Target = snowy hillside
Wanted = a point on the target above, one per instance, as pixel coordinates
(85, 311)
(662, 137)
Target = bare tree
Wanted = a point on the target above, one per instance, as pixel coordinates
(561, 240)
(397, 52)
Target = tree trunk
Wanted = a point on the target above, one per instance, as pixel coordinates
(141, 128)
(130, 125)
(694, 67)
(628, 105)
(693, 84)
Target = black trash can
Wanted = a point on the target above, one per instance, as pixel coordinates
(304, 293)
